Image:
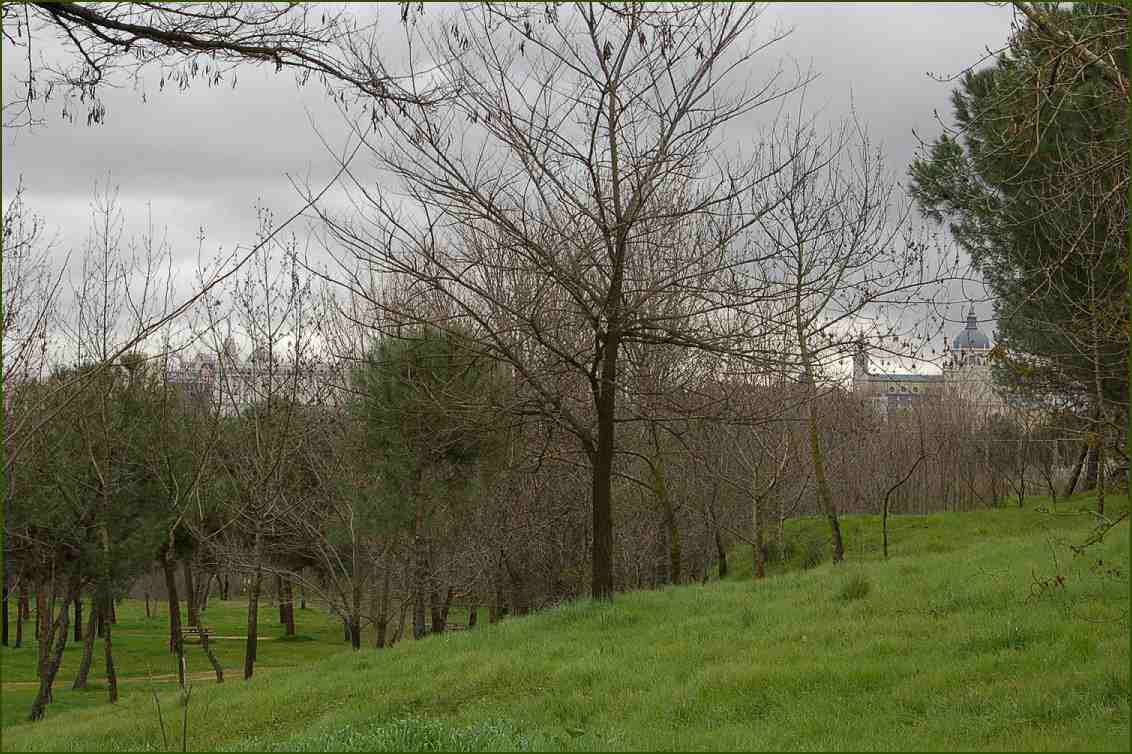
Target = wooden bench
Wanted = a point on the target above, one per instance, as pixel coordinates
(200, 634)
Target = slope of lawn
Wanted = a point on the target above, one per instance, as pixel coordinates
(142, 658)
(963, 639)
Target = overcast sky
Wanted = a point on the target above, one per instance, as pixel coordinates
(202, 158)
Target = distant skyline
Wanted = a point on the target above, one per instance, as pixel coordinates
(201, 159)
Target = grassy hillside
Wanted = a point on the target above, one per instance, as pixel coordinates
(142, 658)
(951, 644)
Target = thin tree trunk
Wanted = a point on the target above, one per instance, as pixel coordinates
(288, 608)
(25, 602)
(204, 591)
(190, 591)
(253, 614)
(1091, 468)
(88, 649)
(356, 614)
(216, 668)
(660, 489)
(758, 551)
(722, 553)
(400, 623)
(447, 607)
(279, 598)
(817, 455)
(472, 609)
(79, 618)
(825, 499)
(436, 609)
(108, 649)
(601, 457)
(382, 622)
(420, 576)
(4, 610)
(195, 622)
(1099, 429)
(57, 633)
(20, 619)
(176, 645)
(43, 626)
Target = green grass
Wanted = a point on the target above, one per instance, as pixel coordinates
(951, 645)
(141, 653)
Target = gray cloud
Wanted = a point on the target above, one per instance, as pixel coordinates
(201, 158)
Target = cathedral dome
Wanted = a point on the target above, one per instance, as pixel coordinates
(971, 336)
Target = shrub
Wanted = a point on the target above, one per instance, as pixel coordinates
(854, 588)
(815, 554)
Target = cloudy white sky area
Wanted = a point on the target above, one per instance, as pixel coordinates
(202, 159)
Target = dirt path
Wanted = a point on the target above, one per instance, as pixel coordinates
(164, 678)
(210, 636)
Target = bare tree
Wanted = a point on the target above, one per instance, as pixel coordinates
(842, 263)
(576, 142)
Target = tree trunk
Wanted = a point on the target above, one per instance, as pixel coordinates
(660, 489)
(400, 624)
(758, 550)
(195, 622)
(447, 607)
(436, 609)
(354, 628)
(57, 633)
(721, 551)
(253, 616)
(519, 597)
(494, 612)
(20, 619)
(601, 578)
(108, 648)
(825, 499)
(817, 455)
(472, 616)
(43, 626)
(382, 621)
(79, 618)
(204, 591)
(356, 614)
(25, 606)
(279, 597)
(420, 577)
(88, 649)
(4, 610)
(288, 608)
(190, 592)
(176, 646)
(1091, 468)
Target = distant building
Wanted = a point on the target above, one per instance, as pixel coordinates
(966, 376)
(235, 384)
